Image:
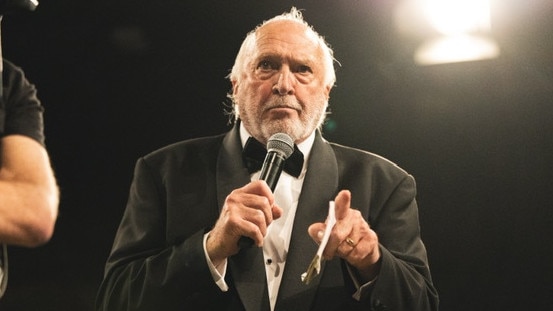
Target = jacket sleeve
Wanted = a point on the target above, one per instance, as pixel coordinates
(146, 270)
(404, 282)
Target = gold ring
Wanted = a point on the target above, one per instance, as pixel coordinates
(350, 242)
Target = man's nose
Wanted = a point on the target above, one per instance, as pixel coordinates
(285, 83)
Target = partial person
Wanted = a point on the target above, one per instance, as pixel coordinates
(192, 202)
(29, 194)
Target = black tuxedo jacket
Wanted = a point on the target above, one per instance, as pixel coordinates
(158, 262)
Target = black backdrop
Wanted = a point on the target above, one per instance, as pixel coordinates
(122, 78)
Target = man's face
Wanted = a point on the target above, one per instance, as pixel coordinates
(282, 87)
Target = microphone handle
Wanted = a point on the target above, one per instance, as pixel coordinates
(272, 167)
(270, 173)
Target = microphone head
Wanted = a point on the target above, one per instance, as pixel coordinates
(281, 143)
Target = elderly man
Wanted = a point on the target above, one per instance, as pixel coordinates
(191, 203)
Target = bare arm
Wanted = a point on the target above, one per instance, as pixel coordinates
(29, 194)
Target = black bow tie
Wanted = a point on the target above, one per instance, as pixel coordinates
(254, 154)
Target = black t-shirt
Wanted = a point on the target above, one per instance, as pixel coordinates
(20, 109)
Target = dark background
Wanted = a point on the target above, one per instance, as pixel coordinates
(122, 78)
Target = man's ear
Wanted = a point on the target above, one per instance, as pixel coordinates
(327, 91)
(234, 87)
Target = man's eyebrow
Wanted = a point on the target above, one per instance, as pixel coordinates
(305, 60)
(267, 56)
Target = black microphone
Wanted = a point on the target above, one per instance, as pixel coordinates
(279, 147)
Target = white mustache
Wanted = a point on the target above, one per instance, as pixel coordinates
(282, 103)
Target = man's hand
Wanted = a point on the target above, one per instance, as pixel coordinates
(247, 211)
(351, 238)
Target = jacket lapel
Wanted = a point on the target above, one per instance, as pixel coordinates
(246, 267)
(231, 172)
(319, 187)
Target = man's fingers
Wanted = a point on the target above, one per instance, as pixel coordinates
(277, 211)
(316, 231)
(260, 188)
(342, 204)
